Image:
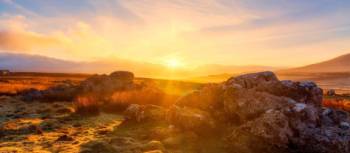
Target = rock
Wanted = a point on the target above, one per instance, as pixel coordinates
(344, 125)
(270, 132)
(208, 98)
(64, 138)
(190, 119)
(104, 85)
(123, 75)
(246, 105)
(265, 115)
(144, 113)
(252, 80)
(327, 112)
(299, 107)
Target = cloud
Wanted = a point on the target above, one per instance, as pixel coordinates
(220, 31)
(25, 41)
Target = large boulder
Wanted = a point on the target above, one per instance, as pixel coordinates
(141, 113)
(306, 91)
(252, 80)
(123, 75)
(190, 119)
(107, 84)
(208, 98)
(249, 104)
(264, 114)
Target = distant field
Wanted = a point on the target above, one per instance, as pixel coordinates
(19, 81)
(16, 82)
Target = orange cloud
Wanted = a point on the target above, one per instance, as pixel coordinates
(26, 41)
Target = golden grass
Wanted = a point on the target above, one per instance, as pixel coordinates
(15, 84)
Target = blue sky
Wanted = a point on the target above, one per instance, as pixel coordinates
(195, 32)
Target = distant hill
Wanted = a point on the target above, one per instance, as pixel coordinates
(216, 69)
(37, 63)
(338, 64)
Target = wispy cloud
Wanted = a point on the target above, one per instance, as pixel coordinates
(219, 31)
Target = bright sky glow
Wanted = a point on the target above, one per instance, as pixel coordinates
(230, 32)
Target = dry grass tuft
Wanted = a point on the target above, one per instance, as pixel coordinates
(87, 105)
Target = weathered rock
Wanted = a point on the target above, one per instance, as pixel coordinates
(104, 85)
(144, 112)
(190, 119)
(123, 75)
(344, 125)
(305, 92)
(208, 98)
(252, 80)
(267, 115)
(248, 104)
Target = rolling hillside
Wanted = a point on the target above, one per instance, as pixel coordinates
(338, 64)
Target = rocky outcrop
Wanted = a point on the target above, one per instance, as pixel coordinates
(62, 92)
(105, 85)
(100, 86)
(263, 114)
(190, 119)
(141, 113)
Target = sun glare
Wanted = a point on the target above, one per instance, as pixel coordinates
(173, 63)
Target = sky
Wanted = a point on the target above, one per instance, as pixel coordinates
(178, 33)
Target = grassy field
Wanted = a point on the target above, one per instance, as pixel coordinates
(16, 82)
(41, 127)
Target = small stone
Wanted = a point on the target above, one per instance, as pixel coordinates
(299, 107)
(344, 125)
(326, 112)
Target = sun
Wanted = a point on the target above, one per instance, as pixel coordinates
(173, 63)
